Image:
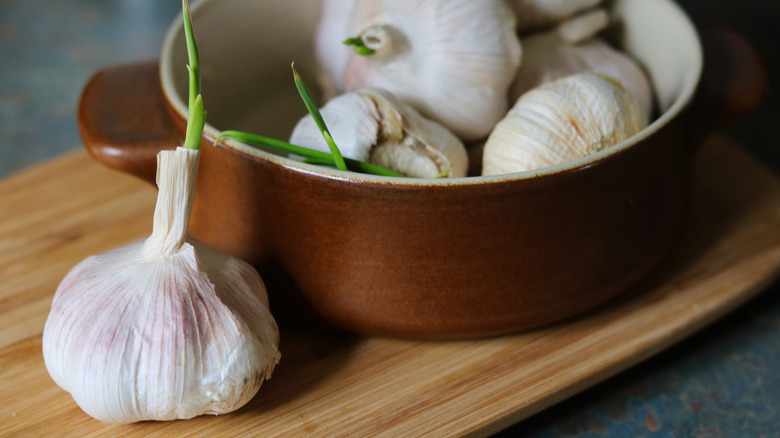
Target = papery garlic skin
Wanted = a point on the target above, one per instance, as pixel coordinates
(538, 14)
(452, 60)
(163, 328)
(372, 125)
(549, 56)
(172, 347)
(562, 121)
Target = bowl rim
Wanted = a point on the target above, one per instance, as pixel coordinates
(177, 104)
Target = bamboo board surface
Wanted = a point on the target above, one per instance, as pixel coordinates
(54, 215)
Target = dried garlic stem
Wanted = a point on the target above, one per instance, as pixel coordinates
(176, 174)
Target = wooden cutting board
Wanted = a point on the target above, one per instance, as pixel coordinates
(327, 384)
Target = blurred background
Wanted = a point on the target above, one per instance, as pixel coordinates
(720, 382)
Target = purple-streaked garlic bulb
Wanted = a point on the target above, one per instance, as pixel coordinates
(163, 328)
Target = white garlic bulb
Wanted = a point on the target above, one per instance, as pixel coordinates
(452, 60)
(372, 125)
(537, 14)
(562, 121)
(572, 48)
(163, 328)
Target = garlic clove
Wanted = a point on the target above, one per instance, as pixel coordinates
(452, 60)
(561, 121)
(583, 27)
(372, 125)
(533, 15)
(548, 56)
(163, 328)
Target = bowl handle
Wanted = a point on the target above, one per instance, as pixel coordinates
(123, 119)
(735, 81)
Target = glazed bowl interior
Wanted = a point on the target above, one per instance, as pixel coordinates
(247, 46)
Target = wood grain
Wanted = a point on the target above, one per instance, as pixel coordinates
(337, 384)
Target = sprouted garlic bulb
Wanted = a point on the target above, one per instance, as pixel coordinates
(562, 121)
(572, 47)
(452, 60)
(163, 328)
(372, 125)
(166, 327)
(532, 15)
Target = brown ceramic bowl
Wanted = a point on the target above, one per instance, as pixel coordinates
(449, 258)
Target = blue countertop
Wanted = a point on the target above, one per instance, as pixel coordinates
(721, 382)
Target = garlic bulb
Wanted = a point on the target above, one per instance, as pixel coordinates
(537, 14)
(452, 60)
(571, 48)
(163, 328)
(372, 125)
(561, 121)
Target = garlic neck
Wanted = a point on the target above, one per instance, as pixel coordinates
(176, 173)
(382, 41)
(377, 38)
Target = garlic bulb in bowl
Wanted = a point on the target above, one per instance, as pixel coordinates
(452, 60)
(571, 48)
(372, 125)
(561, 121)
